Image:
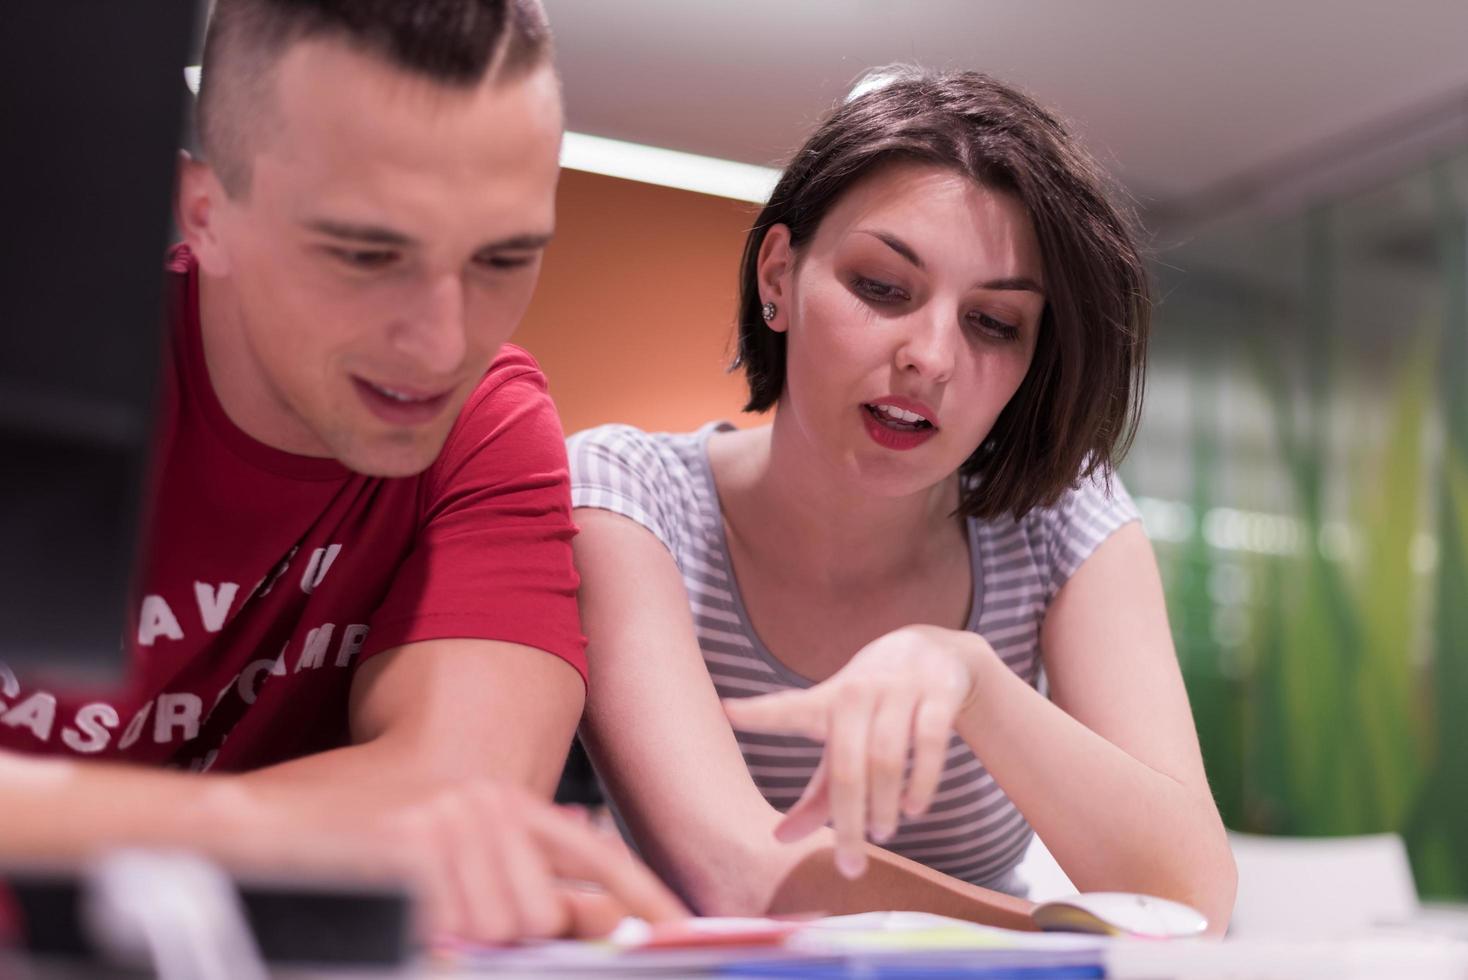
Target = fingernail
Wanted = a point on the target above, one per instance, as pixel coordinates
(850, 864)
(882, 835)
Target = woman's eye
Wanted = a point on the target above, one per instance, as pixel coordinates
(363, 258)
(994, 326)
(878, 291)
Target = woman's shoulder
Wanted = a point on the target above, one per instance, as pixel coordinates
(1089, 495)
(1060, 536)
(656, 478)
(639, 449)
(1100, 497)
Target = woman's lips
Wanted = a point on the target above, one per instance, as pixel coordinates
(892, 434)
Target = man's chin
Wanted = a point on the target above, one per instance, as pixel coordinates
(391, 458)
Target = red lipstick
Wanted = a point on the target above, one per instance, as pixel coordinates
(888, 426)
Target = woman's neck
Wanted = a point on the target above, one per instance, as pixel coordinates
(802, 522)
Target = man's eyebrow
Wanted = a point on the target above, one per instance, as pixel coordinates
(365, 234)
(1017, 283)
(518, 243)
(378, 235)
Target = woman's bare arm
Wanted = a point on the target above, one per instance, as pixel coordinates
(662, 743)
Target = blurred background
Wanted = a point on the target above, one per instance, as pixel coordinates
(1302, 172)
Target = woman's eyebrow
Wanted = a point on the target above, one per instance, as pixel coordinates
(1022, 283)
(1016, 283)
(895, 244)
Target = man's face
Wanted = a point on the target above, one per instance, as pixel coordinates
(385, 249)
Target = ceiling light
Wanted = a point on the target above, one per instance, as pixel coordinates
(668, 168)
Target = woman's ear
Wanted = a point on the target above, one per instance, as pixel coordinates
(196, 211)
(776, 266)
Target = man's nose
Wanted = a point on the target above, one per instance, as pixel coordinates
(432, 334)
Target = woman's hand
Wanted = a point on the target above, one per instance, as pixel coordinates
(902, 691)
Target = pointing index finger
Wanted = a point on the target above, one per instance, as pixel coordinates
(577, 851)
(782, 713)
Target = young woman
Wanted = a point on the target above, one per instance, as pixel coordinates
(949, 320)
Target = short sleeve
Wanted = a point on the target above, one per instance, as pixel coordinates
(492, 557)
(624, 470)
(1072, 530)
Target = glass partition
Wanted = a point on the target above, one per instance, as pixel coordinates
(1302, 468)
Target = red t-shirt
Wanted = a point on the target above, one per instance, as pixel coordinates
(270, 578)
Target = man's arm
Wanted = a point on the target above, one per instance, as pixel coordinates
(431, 713)
(458, 744)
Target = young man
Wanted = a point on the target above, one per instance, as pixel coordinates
(358, 614)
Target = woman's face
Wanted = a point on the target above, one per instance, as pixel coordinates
(911, 316)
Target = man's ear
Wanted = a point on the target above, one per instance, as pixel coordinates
(197, 213)
(773, 271)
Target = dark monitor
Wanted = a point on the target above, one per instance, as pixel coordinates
(92, 105)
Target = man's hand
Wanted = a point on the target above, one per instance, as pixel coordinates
(495, 864)
(420, 798)
(902, 691)
(491, 862)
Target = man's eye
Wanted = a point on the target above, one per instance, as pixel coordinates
(878, 291)
(363, 258)
(505, 263)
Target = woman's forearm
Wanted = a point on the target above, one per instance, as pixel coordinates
(1112, 822)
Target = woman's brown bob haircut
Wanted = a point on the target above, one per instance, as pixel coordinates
(1076, 411)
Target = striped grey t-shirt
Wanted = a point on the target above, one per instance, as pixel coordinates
(663, 482)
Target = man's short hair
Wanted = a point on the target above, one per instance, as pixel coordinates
(456, 43)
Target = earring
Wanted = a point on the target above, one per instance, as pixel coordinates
(768, 311)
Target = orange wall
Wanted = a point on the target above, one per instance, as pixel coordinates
(633, 320)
